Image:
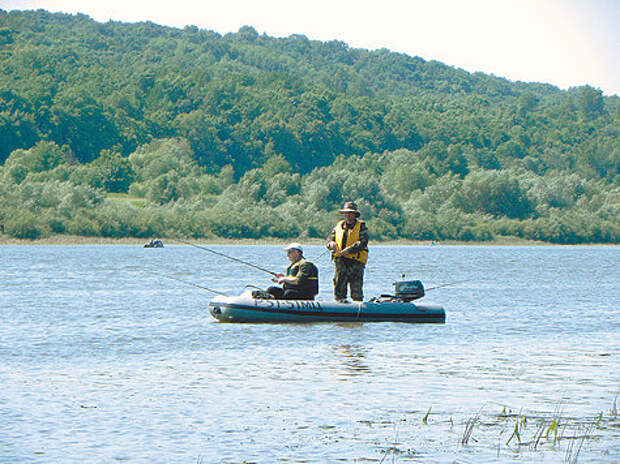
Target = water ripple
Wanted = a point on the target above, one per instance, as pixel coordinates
(103, 359)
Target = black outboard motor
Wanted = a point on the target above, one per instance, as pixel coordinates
(408, 290)
(404, 292)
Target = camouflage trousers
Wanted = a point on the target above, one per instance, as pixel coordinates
(348, 272)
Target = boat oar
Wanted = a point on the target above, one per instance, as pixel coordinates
(225, 256)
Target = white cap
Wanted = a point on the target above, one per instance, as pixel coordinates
(294, 246)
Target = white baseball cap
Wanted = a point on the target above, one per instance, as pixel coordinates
(294, 246)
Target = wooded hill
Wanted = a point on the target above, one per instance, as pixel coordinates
(116, 129)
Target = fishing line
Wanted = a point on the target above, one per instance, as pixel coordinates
(164, 276)
(225, 256)
(447, 285)
(193, 284)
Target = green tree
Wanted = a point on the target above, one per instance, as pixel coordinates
(496, 193)
(590, 101)
(115, 171)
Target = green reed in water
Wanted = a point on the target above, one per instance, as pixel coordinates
(533, 432)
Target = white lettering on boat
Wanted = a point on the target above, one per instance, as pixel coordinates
(289, 305)
(264, 303)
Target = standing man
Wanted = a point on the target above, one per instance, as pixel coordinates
(301, 281)
(348, 242)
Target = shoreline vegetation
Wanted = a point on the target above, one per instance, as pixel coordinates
(80, 240)
(127, 130)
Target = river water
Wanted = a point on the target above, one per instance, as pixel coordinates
(104, 359)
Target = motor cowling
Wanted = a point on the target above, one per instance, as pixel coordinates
(408, 290)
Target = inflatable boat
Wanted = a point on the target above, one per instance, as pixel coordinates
(257, 306)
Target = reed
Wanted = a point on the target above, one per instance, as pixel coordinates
(539, 433)
(526, 433)
(425, 418)
(553, 428)
(469, 428)
(515, 434)
(572, 454)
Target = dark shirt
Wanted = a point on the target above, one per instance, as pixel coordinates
(307, 277)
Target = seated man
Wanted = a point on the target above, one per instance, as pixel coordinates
(301, 281)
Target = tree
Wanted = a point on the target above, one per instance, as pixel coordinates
(114, 170)
(44, 156)
(277, 126)
(496, 193)
(590, 102)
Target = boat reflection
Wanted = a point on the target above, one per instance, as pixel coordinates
(351, 360)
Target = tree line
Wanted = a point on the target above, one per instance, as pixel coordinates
(114, 129)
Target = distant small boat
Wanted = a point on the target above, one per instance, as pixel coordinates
(155, 243)
(252, 306)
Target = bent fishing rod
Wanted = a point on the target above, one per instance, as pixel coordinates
(225, 256)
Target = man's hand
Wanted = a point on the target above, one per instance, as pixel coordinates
(346, 251)
(331, 246)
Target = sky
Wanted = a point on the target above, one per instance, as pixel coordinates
(566, 43)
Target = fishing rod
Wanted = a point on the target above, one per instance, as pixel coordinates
(193, 284)
(323, 254)
(225, 256)
(447, 285)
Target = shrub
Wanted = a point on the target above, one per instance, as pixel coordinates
(83, 225)
(26, 225)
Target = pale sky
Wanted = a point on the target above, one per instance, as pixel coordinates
(562, 42)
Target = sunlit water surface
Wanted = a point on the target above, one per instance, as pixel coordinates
(104, 359)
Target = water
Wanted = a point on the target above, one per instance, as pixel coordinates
(102, 359)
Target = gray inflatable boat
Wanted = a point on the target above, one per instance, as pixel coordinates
(253, 306)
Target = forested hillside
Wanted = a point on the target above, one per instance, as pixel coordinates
(115, 129)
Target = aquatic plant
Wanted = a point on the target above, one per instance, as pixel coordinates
(526, 433)
(425, 418)
(469, 428)
(515, 434)
(599, 419)
(553, 428)
(572, 454)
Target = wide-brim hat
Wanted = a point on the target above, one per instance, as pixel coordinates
(349, 207)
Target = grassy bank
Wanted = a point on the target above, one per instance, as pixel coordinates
(81, 240)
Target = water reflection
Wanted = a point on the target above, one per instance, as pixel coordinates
(84, 342)
(351, 360)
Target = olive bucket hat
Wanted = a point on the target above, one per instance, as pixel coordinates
(349, 207)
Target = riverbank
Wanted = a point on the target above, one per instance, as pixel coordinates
(80, 240)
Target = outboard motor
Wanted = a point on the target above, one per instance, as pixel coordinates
(404, 291)
(408, 290)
